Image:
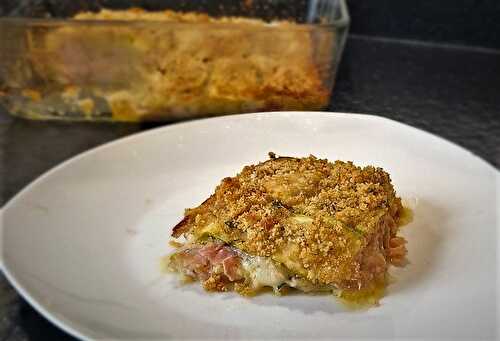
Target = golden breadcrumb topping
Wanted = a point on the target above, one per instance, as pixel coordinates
(139, 14)
(173, 71)
(330, 223)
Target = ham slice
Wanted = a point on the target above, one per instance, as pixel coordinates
(231, 266)
(202, 261)
(209, 251)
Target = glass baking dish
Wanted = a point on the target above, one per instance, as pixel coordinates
(168, 60)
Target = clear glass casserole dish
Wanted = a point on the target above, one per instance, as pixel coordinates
(168, 60)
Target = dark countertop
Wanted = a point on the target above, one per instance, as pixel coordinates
(467, 22)
(451, 91)
(448, 90)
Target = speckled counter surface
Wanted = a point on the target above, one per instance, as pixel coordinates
(449, 91)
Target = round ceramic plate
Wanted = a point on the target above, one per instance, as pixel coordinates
(83, 242)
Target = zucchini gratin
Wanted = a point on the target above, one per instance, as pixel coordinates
(169, 65)
(302, 223)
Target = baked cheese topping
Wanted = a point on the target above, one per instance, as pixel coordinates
(174, 71)
(303, 222)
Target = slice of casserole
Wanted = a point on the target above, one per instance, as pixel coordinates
(303, 223)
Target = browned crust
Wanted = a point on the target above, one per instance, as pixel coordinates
(354, 213)
(180, 73)
(181, 227)
(274, 158)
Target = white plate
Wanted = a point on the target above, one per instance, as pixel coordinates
(83, 242)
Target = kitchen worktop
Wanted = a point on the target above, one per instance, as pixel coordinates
(451, 91)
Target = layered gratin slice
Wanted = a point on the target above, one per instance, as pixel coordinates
(302, 223)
